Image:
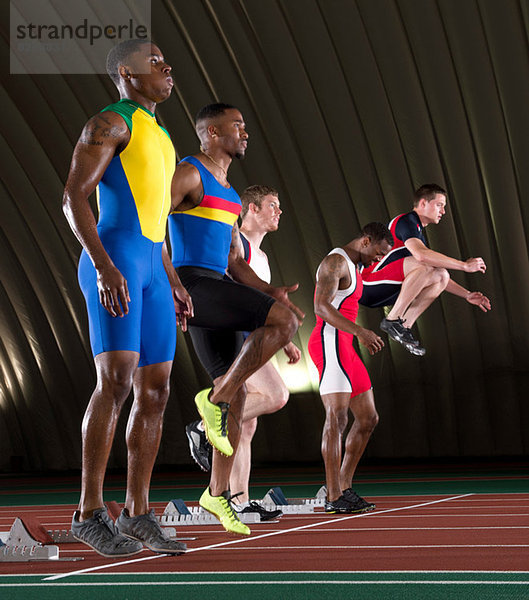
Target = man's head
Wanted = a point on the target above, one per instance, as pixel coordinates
(374, 242)
(221, 126)
(261, 208)
(138, 66)
(429, 203)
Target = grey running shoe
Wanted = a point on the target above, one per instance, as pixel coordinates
(264, 514)
(417, 350)
(146, 529)
(360, 505)
(100, 533)
(201, 450)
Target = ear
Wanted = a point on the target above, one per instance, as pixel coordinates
(253, 208)
(366, 240)
(212, 131)
(124, 72)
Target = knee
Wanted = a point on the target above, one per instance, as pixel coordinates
(367, 423)
(442, 277)
(285, 321)
(115, 385)
(153, 396)
(336, 421)
(277, 397)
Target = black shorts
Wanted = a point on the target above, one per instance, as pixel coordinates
(223, 309)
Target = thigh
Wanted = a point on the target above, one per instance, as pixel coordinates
(109, 333)
(363, 405)
(265, 380)
(216, 348)
(158, 322)
(220, 303)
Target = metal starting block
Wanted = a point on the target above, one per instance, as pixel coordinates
(275, 499)
(177, 513)
(26, 541)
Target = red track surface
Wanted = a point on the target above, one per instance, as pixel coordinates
(485, 532)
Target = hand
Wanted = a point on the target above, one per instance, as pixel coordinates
(479, 300)
(281, 294)
(113, 291)
(473, 265)
(183, 305)
(293, 353)
(370, 340)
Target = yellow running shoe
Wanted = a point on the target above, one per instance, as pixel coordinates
(215, 419)
(220, 506)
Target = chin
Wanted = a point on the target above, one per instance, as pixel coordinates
(239, 155)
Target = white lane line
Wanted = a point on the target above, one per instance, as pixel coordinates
(325, 582)
(257, 537)
(385, 547)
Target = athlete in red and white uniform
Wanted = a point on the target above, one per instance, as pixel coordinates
(344, 382)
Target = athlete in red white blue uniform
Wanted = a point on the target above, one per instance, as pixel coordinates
(412, 276)
(344, 382)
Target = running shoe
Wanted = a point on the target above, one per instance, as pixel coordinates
(360, 505)
(403, 335)
(146, 529)
(221, 507)
(199, 446)
(215, 419)
(264, 514)
(100, 533)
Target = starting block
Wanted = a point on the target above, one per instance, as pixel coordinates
(178, 513)
(275, 499)
(28, 540)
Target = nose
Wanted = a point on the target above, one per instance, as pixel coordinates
(167, 68)
(279, 211)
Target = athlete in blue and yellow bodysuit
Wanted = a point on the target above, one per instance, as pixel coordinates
(131, 312)
(134, 197)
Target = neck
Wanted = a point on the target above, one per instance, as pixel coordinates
(254, 236)
(421, 218)
(218, 158)
(353, 251)
(150, 105)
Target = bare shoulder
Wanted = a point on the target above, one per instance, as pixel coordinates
(333, 264)
(105, 128)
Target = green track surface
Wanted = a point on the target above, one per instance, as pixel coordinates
(295, 484)
(294, 586)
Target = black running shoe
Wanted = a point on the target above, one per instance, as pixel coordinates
(265, 515)
(403, 335)
(359, 504)
(340, 505)
(199, 446)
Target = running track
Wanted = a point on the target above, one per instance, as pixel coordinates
(470, 545)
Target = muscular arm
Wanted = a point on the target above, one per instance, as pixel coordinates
(103, 136)
(186, 187)
(333, 270)
(425, 255)
(181, 298)
(241, 271)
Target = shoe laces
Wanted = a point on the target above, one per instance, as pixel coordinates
(224, 407)
(225, 500)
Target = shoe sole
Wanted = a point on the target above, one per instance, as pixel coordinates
(416, 351)
(107, 555)
(204, 420)
(194, 454)
(350, 512)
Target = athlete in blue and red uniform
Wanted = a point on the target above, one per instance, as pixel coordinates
(205, 241)
(344, 381)
(131, 305)
(412, 275)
